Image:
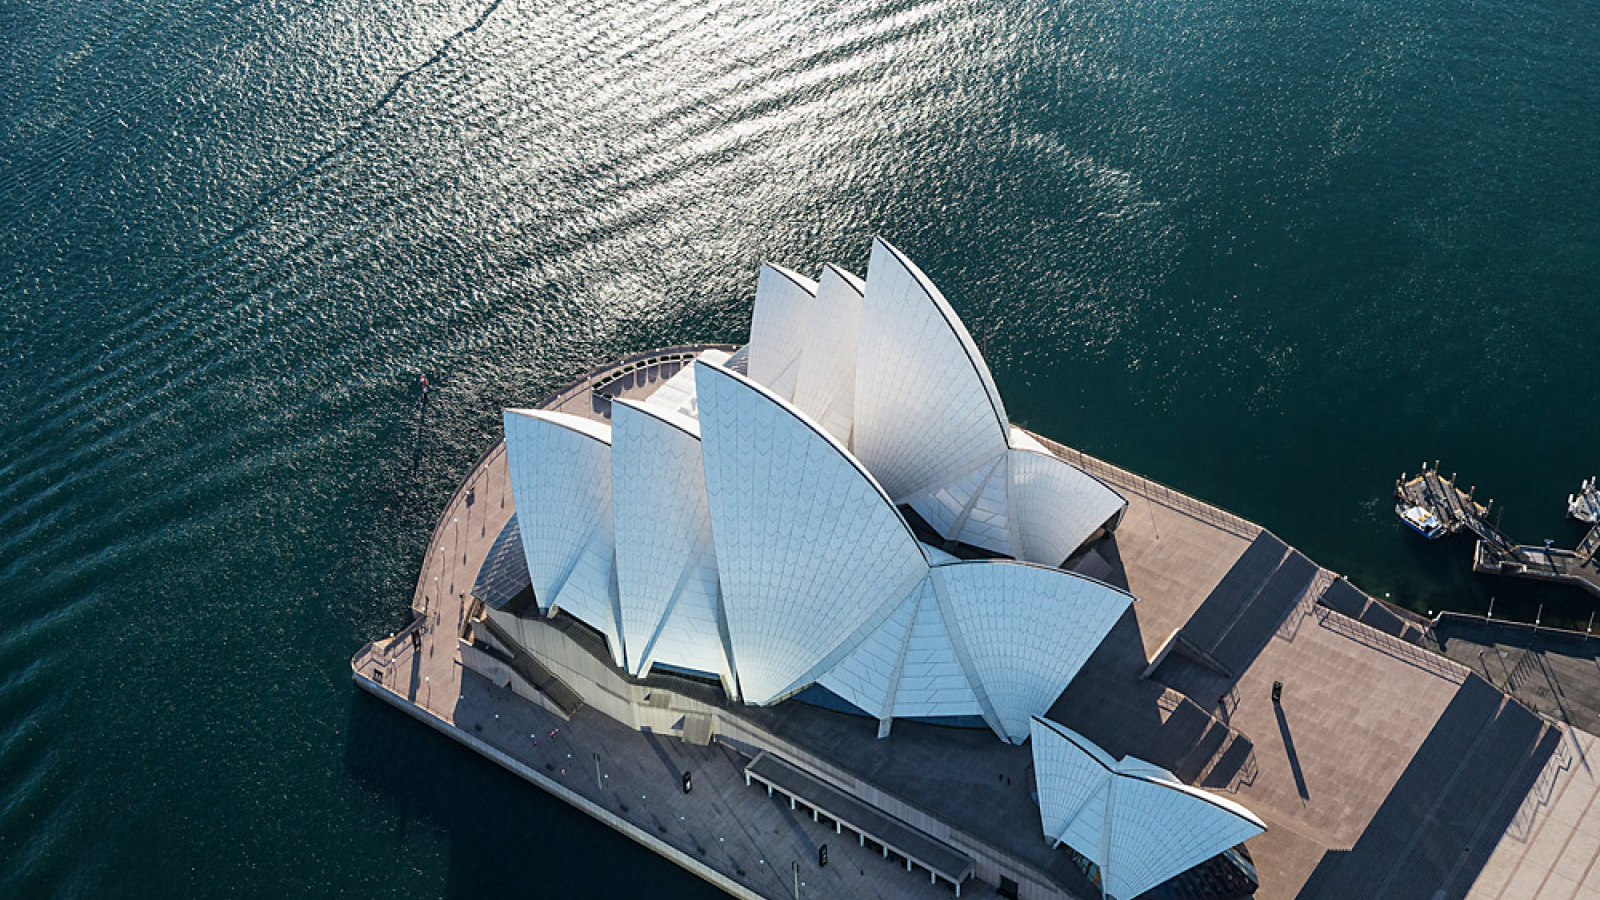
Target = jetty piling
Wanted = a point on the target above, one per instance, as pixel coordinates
(1495, 553)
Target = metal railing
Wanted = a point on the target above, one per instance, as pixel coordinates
(1388, 644)
(600, 374)
(1152, 490)
(419, 601)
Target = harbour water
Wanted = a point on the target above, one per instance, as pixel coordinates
(1270, 253)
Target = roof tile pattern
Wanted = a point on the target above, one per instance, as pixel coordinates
(866, 676)
(1057, 506)
(565, 514)
(810, 553)
(927, 410)
(945, 507)
(929, 424)
(1135, 821)
(778, 327)
(933, 682)
(666, 562)
(1161, 827)
(1023, 631)
(826, 389)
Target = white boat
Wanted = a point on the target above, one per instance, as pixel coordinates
(1421, 521)
(1585, 505)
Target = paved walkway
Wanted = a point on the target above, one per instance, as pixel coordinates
(1555, 673)
(1551, 849)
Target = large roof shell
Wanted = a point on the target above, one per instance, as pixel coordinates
(929, 424)
(927, 411)
(1137, 822)
(826, 388)
(666, 561)
(811, 554)
(1055, 505)
(778, 328)
(564, 510)
(1023, 632)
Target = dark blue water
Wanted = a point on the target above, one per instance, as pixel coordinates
(1271, 253)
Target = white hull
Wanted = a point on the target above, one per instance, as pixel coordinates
(1585, 505)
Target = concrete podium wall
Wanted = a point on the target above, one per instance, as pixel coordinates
(605, 690)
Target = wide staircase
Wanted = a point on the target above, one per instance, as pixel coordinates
(1453, 802)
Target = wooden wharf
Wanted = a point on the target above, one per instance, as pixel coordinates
(1454, 508)
(1496, 554)
(1575, 567)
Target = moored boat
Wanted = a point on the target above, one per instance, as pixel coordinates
(1585, 505)
(1421, 521)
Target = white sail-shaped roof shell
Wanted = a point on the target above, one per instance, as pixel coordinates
(927, 412)
(929, 424)
(1161, 827)
(812, 556)
(560, 467)
(826, 388)
(778, 328)
(1055, 505)
(666, 561)
(1137, 822)
(1023, 631)
(1073, 777)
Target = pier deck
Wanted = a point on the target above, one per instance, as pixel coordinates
(1574, 567)
(1455, 509)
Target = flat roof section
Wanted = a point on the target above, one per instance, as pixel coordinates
(914, 844)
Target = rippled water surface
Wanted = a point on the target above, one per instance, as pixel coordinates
(1271, 253)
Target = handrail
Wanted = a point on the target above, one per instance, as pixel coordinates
(591, 377)
(1171, 498)
(468, 483)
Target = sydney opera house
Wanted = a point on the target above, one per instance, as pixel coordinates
(752, 521)
(810, 617)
